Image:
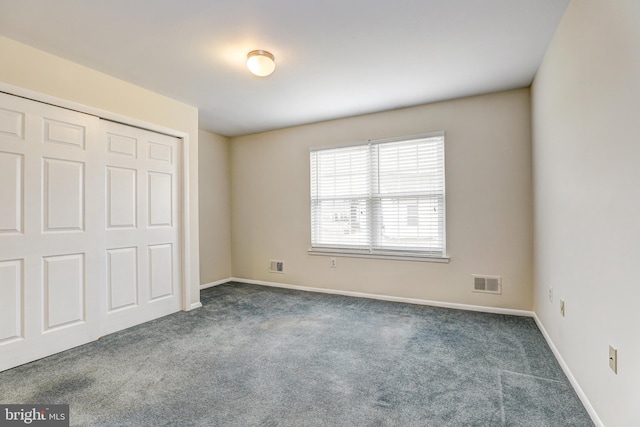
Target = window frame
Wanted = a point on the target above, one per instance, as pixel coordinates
(371, 251)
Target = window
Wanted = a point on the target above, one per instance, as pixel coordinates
(382, 198)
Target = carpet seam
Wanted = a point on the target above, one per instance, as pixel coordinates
(533, 376)
(503, 416)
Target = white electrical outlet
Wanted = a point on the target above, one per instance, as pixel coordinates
(562, 307)
(550, 294)
(613, 359)
(333, 264)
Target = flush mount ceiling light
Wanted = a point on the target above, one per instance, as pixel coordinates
(260, 62)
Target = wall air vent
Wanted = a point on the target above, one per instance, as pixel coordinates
(276, 266)
(488, 284)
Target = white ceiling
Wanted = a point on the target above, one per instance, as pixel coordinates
(335, 58)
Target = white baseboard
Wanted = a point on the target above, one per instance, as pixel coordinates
(495, 310)
(216, 283)
(195, 305)
(574, 383)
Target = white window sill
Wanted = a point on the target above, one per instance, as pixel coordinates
(401, 256)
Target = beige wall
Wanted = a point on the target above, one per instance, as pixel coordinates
(215, 207)
(489, 214)
(586, 127)
(35, 70)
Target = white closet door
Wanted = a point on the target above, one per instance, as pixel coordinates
(89, 228)
(49, 230)
(143, 269)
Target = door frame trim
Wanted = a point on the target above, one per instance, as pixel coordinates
(185, 238)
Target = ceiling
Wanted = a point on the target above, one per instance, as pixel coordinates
(335, 58)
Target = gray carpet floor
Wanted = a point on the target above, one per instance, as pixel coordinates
(258, 356)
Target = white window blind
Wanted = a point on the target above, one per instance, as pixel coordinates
(383, 197)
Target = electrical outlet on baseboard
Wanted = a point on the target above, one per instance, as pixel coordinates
(550, 293)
